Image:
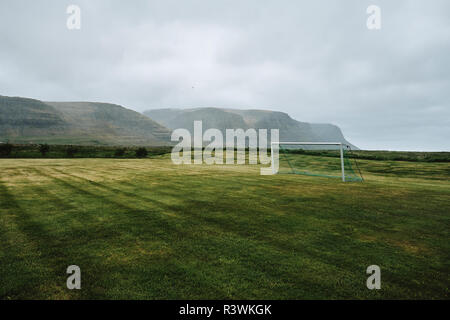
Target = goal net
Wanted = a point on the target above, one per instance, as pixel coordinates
(324, 159)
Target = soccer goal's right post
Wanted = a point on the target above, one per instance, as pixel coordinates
(342, 162)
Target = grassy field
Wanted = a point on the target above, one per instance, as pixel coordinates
(148, 229)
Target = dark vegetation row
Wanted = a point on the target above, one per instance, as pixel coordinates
(8, 150)
(414, 156)
(31, 151)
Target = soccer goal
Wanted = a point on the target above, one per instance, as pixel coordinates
(324, 159)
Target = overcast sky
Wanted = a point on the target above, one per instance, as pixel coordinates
(316, 60)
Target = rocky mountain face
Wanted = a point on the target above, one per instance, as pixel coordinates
(33, 121)
(25, 120)
(290, 129)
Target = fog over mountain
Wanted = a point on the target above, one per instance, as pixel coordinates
(314, 60)
(24, 120)
(222, 119)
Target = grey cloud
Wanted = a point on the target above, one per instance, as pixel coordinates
(315, 60)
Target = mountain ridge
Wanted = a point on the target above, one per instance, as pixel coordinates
(228, 118)
(24, 120)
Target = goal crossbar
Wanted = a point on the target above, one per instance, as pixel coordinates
(311, 143)
(340, 144)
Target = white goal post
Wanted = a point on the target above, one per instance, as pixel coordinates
(274, 148)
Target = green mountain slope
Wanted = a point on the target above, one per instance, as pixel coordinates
(290, 129)
(33, 121)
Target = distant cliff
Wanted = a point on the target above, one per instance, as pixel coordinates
(290, 129)
(33, 121)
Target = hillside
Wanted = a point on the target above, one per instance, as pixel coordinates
(25, 120)
(290, 129)
(33, 121)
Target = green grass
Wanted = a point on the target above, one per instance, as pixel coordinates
(149, 229)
